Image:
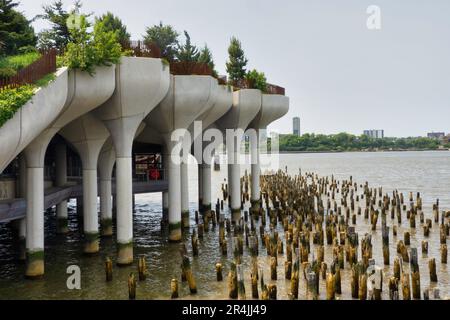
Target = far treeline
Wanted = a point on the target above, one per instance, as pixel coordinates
(348, 142)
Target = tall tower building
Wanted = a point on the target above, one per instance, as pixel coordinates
(296, 126)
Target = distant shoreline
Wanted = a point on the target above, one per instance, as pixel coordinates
(368, 151)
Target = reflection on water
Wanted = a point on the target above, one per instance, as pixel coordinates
(427, 172)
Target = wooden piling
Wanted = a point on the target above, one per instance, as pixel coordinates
(131, 287)
(232, 282)
(108, 269)
(189, 275)
(174, 288)
(142, 268)
(432, 267)
(219, 271)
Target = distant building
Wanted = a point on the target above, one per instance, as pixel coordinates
(436, 135)
(296, 126)
(375, 134)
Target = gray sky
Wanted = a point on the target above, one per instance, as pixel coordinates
(339, 75)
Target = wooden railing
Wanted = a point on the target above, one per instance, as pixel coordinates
(142, 49)
(46, 64)
(270, 88)
(190, 68)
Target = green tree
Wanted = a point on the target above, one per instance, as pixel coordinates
(59, 35)
(256, 80)
(87, 50)
(165, 38)
(187, 51)
(207, 58)
(236, 61)
(114, 23)
(15, 30)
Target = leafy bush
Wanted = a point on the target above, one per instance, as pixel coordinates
(256, 80)
(7, 72)
(87, 50)
(12, 99)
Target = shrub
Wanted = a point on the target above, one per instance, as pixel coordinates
(256, 80)
(12, 99)
(87, 50)
(7, 72)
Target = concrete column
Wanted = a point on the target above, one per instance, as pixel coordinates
(61, 180)
(23, 194)
(106, 207)
(184, 195)
(234, 174)
(35, 222)
(174, 201)
(255, 171)
(200, 188)
(106, 161)
(90, 214)
(165, 195)
(206, 188)
(124, 194)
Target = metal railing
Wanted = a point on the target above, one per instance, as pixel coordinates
(46, 64)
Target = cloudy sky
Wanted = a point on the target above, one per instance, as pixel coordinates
(339, 75)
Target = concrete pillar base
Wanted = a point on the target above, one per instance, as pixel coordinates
(35, 265)
(175, 232)
(235, 215)
(62, 225)
(91, 243)
(106, 227)
(185, 218)
(125, 254)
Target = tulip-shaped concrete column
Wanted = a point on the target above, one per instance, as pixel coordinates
(246, 105)
(273, 107)
(61, 180)
(88, 135)
(106, 161)
(188, 97)
(83, 93)
(202, 137)
(141, 83)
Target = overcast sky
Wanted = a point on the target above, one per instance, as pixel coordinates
(339, 75)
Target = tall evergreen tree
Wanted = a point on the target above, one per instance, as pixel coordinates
(165, 38)
(115, 24)
(15, 30)
(206, 57)
(187, 51)
(59, 34)
(237, 61)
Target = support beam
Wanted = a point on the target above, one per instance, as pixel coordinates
(206, 188)
(255, 172)
(106, 162)
(184, 195)
(61, 180)
(174, 196)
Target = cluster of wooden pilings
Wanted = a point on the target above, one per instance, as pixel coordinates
(326, 234)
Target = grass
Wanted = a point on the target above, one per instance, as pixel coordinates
(10, 65)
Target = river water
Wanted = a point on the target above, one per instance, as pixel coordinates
(425, 172)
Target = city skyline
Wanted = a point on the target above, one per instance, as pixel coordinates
(339, 75)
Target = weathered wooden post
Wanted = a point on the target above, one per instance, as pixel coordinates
(393, 288)
(174, 288)
(240, 282)
(131, 287)
(385, 235)
(232, 282)
(142, 268)
(424, 247)
(331, 286)
(407, 238)
(354, 283)
(444, 253)
(219, 271)
(108, 269)
(415, 274)
(272, 291)
(432, 267)
(189, 275)
(295, 279)
(406, 290)
(194, 244)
